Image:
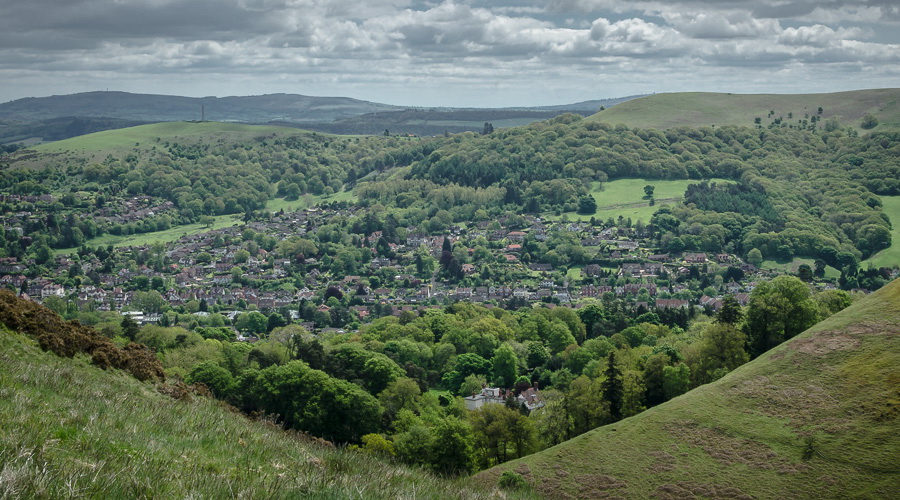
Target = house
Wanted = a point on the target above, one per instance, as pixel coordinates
(712, 302)
(543, 268)
(531, 398)
(488, 395)
(695, 258)
(671, 304)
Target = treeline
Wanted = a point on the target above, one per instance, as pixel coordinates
(395, 387)
(798, 191)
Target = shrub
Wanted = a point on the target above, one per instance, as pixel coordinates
(511, 480)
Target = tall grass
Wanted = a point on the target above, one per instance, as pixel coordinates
(72, 430)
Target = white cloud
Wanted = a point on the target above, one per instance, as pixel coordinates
(580, 48)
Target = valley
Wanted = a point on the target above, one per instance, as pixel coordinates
(636, 303)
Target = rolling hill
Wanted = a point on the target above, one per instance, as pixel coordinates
(71, 429)
(59, 117)
(816, 417)
(699, 109)
(152, 107)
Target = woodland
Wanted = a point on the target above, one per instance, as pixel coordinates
(393, 386)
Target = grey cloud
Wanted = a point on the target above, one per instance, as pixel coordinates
(354, 44)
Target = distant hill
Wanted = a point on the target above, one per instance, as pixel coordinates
(702, 109)
(165, 108)
(816, 417)
(59, 117)
(73, 429)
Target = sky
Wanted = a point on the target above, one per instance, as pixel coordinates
(451, 53)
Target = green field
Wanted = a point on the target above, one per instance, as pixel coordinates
(702, 109)
(746, 435)
(166, 236)
(792, 266)
(890, 256)
(625, 197)
(145, 137)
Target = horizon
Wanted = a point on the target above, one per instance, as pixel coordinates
(531, 105)
(455, 53)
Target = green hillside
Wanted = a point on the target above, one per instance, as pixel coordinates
(147, 135)
(699, 109)
(816, 417)
(72, 430)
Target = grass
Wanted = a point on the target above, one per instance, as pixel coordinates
(625, 197)
(701, 109)
(166, 236)
(146, 135)
(791, 267)
(890, 256)
(72, 430)
(221, 221)
(306, 201)
(746, 434)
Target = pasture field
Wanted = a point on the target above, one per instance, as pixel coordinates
(889, 257)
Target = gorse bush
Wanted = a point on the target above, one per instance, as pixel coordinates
(70, 338)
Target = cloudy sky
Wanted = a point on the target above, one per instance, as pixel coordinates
(452, 53)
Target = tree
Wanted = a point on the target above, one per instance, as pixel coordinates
(553, 422)
(219, 380)
(537, 354)
(560, 337)
(805, 272)
(56, 304)
(755, 257)
(654, 379)
(401, 394)
(377, 444)
(501, 434)
(778, 310)
(452, 447)
(379, 371)
(613, 388)
(488, 128)
(721, 350)
(504, 366)
(466, 364)
(869, 121)
(730, 312)
(677, 380)
(414, 446)
(149, 302)
(207, 220)
(253, 322)
(648, 191)
(587, 205)
(130, 327)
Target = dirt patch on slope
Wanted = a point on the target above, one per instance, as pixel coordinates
(826, 342)
(555, 484)
(663, 462)
(731, 450)
(803, 404)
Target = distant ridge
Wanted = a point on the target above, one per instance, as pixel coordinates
(707, 109)
(37, 119)
(816, 417)
(153, 107)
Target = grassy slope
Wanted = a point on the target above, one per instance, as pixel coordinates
(744, 435)
(890, 256)
(792, 266)
(698, 109)
(72, 430)
(98, 145)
